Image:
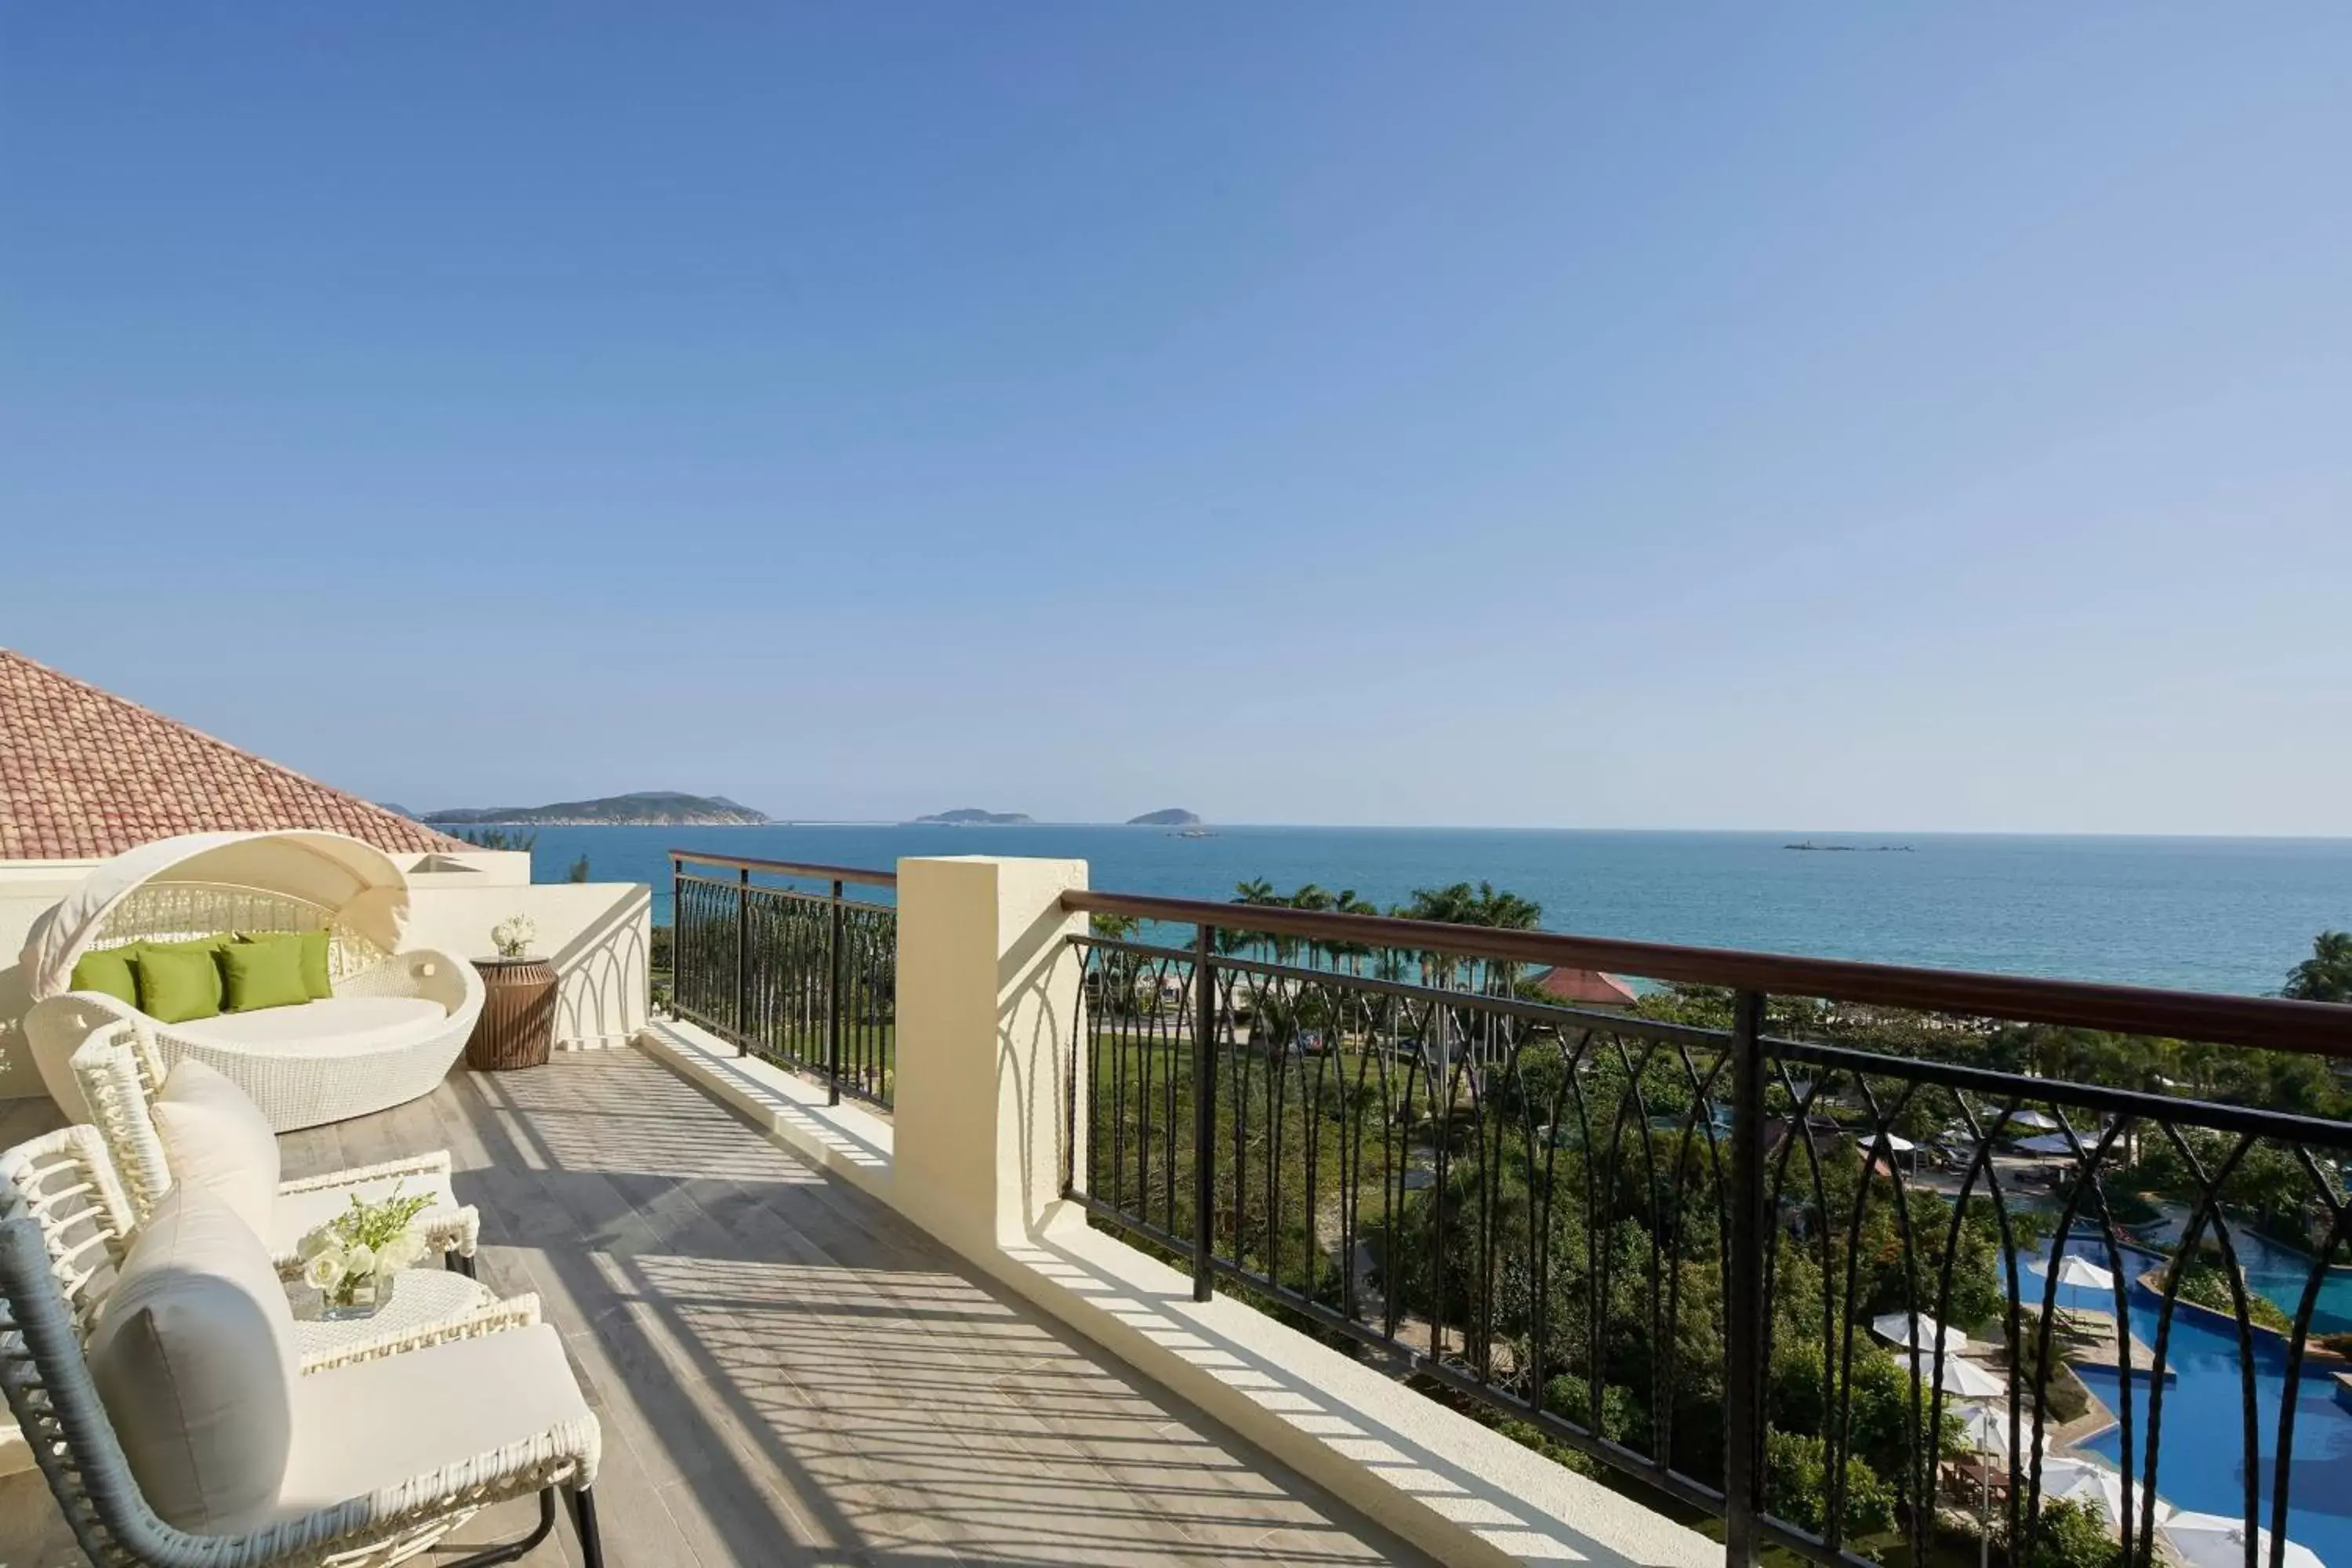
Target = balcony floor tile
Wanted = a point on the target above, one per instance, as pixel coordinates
(787, 1371)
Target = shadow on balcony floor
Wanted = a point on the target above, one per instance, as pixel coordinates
(788, 1373)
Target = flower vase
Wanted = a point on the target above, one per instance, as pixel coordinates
(356, 1299)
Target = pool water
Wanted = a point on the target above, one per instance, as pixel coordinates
(2202, 1459)
(2279, 1273)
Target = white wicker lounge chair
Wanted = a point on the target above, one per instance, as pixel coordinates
(396, 1020)
(452, 1425)
(66, 1183)
(118, 1073)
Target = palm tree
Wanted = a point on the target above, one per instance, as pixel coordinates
(1504, 911)
(2326, 975)
(1314, 899)
(1345, 902)
(1114, 973)
(1457, 906)
(1463, 906)
(1259, 893)
(1507, 911)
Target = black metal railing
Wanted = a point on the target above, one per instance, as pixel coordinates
(1660, 1237)
(807, 980)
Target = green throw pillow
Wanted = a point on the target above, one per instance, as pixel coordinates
(208, 945)
(263, 975)
(188, 944)
(317, 983)
(108, 972)
(177, 982)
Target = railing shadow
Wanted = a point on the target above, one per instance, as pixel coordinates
(846, 1391)
(1465, 1497)
(833, 1131)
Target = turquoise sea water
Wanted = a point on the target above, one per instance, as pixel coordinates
(2217, 914)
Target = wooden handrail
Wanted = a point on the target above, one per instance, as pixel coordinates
(2317, 1029)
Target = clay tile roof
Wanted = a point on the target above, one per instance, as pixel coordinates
(1586, 987)
(85, 774)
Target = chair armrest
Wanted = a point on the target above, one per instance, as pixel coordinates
(414, 1512)
(566, 1452)
(420, 971)
(113, 1069)
(517, 1312)
(436, 1163)
(457, 1230)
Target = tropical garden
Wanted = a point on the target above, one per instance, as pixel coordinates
(1531, 1204)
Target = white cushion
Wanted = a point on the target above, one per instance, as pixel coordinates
(362, 1428)
(334, 1025)
(300, 1214)
(213, 1134)
(193, 1355)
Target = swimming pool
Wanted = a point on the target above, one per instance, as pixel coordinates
(2201, 1461)
(2279, 1273)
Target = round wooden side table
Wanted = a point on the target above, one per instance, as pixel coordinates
(516, 1029)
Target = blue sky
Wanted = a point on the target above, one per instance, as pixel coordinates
(1814, 418)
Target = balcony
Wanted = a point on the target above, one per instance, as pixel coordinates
(1657, 1244)
(966, 1214)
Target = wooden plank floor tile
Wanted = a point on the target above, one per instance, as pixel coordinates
(787, 1371)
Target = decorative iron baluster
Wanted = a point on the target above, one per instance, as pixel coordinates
(1745, 1341)
(832, 998)
(1204, 1115)
(742, 957)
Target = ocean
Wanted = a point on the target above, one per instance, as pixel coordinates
(2216, 914)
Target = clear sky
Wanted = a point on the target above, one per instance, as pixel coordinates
(1826, 416)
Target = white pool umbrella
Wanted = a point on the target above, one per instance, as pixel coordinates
(1968, 1380)
(2097, 1487)
(1918, 1329)
(1985, 1428)
(2215, 1540)
(2078, 1271)
(2034, 1121)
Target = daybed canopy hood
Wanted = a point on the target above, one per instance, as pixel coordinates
(356, 883)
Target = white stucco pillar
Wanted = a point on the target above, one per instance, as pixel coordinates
(988, 991)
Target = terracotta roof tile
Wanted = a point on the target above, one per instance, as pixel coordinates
(1587, 986)
(85, 774)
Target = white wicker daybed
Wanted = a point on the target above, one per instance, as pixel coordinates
(388, 1034)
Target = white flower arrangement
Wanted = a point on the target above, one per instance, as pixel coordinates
(351, 1259)
(514, 935)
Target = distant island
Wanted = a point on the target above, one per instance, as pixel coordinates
(972, 817)
(1851, 848)
(1174, 817)
(647, 808)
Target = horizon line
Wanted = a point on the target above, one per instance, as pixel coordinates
(2211, 835)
